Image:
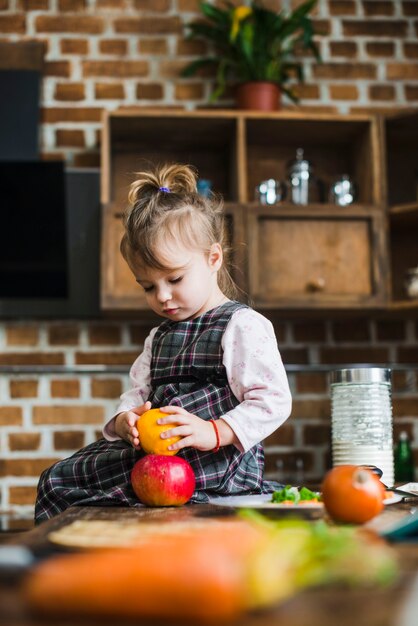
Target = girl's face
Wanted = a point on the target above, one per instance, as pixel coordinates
(186, 290)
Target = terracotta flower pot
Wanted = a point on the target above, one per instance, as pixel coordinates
(258, 96)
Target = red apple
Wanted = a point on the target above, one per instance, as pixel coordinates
(161, 480)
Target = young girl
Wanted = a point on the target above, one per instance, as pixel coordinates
(212, 365)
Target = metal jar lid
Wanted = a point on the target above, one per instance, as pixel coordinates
(354, 375)
(300, 164)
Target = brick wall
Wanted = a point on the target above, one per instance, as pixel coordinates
(111, 53)
(48, 416)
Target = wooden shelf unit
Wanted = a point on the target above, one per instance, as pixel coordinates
(401, 151)
(286, 256)
(401, 211)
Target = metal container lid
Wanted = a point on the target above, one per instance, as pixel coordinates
(300, 164)
(359, 375)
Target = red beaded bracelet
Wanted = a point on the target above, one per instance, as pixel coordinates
(218, 441)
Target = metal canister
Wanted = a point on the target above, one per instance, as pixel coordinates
(343, 191)
(300, 179)
(270, 191)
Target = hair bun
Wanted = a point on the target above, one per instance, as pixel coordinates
(179, 179)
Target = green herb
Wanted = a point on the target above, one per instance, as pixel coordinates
(292, 494)
(307, 494)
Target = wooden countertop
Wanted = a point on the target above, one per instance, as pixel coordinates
(314, 607)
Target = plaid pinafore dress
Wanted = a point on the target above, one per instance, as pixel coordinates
(187, 371)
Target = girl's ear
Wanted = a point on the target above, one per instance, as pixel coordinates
(215, 258)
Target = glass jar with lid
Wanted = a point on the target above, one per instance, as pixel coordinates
(361, 418)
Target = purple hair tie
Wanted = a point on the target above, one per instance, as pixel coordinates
(164, 189)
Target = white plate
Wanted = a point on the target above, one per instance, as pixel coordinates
(262, 501)
(411, 488)
(394, 499)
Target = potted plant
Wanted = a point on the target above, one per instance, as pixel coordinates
(254, 47)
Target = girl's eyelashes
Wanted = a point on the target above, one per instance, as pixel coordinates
(170, 280)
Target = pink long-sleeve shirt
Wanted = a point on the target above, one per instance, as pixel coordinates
(255, 373)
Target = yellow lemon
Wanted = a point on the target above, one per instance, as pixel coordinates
(149, 433)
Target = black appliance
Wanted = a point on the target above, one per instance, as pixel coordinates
(49, 240)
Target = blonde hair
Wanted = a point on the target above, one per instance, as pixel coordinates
(164, 203)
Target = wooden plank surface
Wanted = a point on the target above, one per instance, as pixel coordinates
(315, 607)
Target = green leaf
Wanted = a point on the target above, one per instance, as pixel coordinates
(245, 40)
(194, 66)
(213, 13)
(211, 33)
(303, 10)
(289, 93)
(220, 79)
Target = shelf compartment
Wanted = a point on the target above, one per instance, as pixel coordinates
(404, 251)
(138, 141)
(335, 146)
(402, 157)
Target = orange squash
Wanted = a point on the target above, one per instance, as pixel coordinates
(352, 494)
(150, 433)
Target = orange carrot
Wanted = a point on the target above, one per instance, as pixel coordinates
(195, 576)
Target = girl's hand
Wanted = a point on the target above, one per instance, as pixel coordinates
(194, 431)
(125, 424)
